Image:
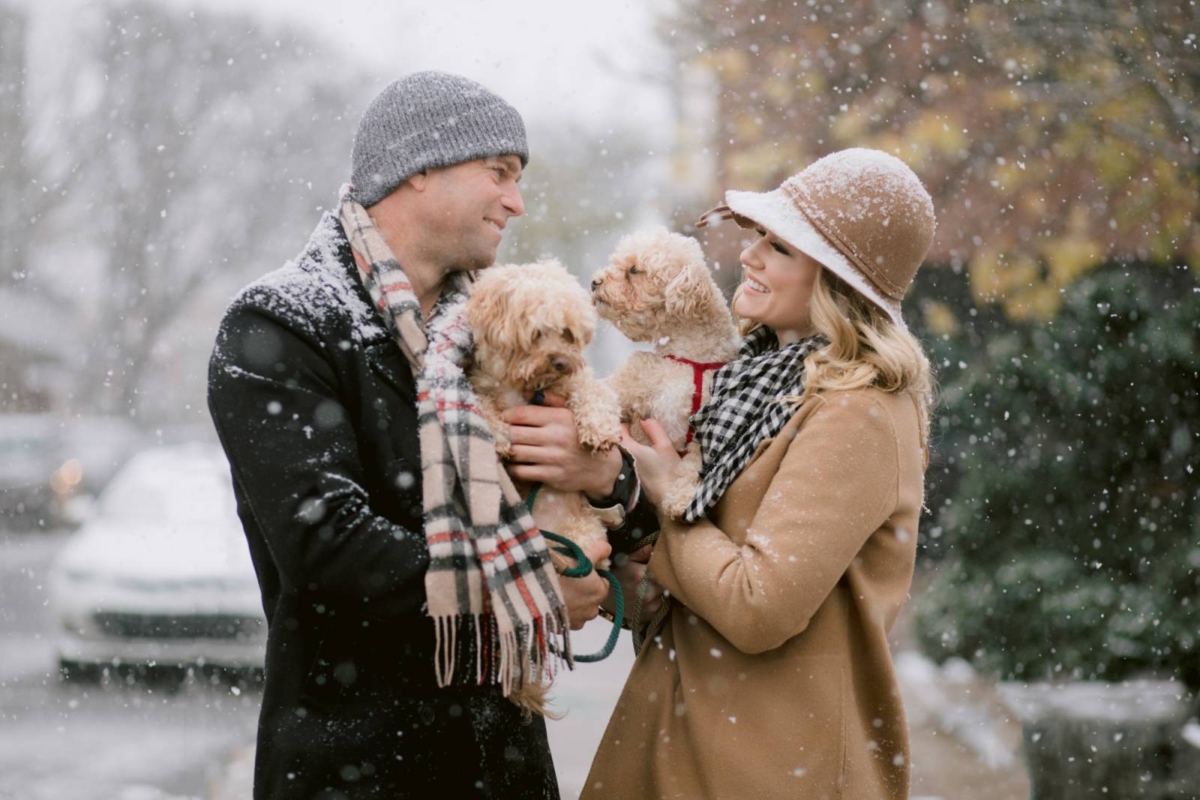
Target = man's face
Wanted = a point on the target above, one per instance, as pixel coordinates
(466, 207)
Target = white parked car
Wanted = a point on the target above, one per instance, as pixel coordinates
(160, 573)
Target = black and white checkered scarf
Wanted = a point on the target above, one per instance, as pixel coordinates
(746, 408)
(490, 576)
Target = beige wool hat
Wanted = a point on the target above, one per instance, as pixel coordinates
(862, 214)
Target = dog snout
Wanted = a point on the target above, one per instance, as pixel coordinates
(596, 281)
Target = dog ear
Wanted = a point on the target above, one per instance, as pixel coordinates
(487, 308)
(691, 293)
(582, 324)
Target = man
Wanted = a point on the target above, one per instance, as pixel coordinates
(326, 393)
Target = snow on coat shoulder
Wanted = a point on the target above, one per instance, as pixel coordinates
(317, 286)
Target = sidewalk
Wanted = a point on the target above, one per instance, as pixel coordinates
(965, 741)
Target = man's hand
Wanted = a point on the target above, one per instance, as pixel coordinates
(629, 571)
(584, 595)
(546, 449)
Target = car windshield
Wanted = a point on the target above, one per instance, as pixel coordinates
(26, 449)
(170, 490)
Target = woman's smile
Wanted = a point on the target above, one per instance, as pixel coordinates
(755, 286)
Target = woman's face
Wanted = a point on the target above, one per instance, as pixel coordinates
(778, 287)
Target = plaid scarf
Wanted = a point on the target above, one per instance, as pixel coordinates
(746, 408)
(489, 568)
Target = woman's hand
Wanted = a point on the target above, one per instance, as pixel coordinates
(629, 571)
(656, 464)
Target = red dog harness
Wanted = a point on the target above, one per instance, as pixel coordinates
(698, 370)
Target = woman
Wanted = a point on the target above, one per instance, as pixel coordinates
(771, 676)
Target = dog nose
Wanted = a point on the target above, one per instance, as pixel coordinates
(560, 364)
(596, 283)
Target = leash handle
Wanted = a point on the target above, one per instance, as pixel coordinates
(583, 567)
(618, 618)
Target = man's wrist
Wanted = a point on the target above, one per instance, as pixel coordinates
(613, 509)
(613, 475)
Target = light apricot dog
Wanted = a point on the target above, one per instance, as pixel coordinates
(531, 323)
(657, 288)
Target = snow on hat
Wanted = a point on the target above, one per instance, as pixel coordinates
(862, 214)
(429, 120)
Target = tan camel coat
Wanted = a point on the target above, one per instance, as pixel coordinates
(772, 676)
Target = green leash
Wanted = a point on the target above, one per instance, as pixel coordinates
(583, 567)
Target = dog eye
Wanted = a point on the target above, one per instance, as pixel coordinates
(570, 337)
(634, 270)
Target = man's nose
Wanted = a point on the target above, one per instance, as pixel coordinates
(514, 204)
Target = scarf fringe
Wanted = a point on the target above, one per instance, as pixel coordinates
(509, 658)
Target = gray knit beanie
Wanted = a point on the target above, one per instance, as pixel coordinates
(428, 120)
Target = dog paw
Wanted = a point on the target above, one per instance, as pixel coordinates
(599, 434)
(683, 488)
(678, 498)
(503, 441)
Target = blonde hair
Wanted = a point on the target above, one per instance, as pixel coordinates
(866, 349)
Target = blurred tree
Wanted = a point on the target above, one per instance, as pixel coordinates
(201, 144)
(580, 187)
(1054, 137)
(14, 160)
(583, 190)
(25, 356)
(1073, 538)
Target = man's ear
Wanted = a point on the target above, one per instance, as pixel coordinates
(420, 180)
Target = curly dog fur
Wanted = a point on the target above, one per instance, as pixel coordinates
(657, 288)
(531, 323)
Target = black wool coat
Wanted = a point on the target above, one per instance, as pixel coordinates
(316, 408)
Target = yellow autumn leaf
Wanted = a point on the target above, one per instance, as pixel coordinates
(1037, 301)
(1069, 257)
(1115, 161)
(730, 62)
(747, 128)
(940, 132)
(1000, 277)
(1034, 203)
(848, 126)
(779, 91)
(754, 167)
(983, 271)
(1008, 176)
(811, 83)
(1006, 98)
(939, 318)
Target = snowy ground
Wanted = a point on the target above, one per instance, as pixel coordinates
(119, 742)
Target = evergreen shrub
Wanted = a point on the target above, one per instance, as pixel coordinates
(1071, 543)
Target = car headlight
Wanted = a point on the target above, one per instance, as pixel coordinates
(64, 479)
